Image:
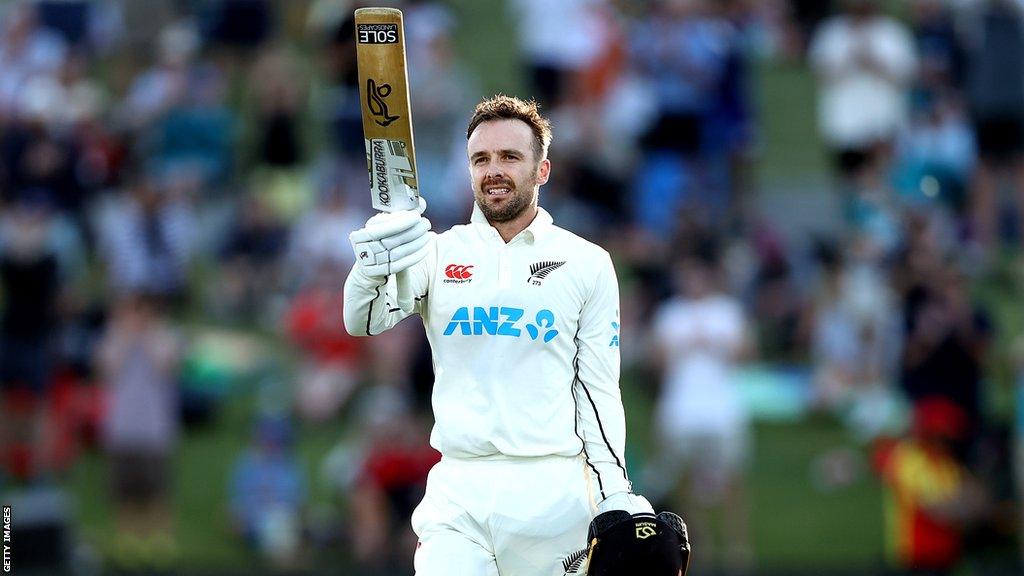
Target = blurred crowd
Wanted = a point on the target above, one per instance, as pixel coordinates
(178, 179)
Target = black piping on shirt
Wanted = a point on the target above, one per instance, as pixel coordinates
(369, 312)
(576, 424)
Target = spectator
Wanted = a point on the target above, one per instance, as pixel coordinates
(280, 88)
(27, 50)
(853, 340)
(146, 240)
(926, 245)
(165, 84)
(995, 96)
(683, 48)
(30, 283)
(932, 497)
(251, 260)
(555, 53)
(138, 361)
(268, 493)
(38, 151)
(732, 126)
(939, 47)
(321, 235)
(331, 358)
(935, 154)
(865, 62)
(49, 164)
(195, 136)
(391, 481)
(779, 302)
(65, 98)
(946, 340)
(703, 428)
(177, 108)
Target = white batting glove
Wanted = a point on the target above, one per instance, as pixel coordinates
(632, 503)
(392, 241)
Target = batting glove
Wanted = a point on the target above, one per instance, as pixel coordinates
(392, 241)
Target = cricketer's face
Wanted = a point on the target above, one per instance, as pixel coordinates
(505, 171)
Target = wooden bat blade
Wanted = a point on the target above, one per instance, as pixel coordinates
(387, 118)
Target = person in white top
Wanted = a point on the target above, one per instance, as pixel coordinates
(865, 62)
(701, 422)
(523, 323)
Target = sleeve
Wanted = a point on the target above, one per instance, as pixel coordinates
(730, 334)
(373, 304)
(829, 53)
(896, 52)
(600, 419)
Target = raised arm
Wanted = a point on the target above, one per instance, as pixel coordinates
(394, 253)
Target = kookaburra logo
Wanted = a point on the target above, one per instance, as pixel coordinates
(540, 270)
(375, 101)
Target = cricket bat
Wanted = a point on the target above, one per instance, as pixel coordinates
(387, 119)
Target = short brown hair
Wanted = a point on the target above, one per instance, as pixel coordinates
(503, 107)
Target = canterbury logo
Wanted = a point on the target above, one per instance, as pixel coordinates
(540, 270)
(375, 101)
(458, 272)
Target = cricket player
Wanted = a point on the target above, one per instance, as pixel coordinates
(523, 323)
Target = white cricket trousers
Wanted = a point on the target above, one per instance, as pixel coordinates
(502, 516)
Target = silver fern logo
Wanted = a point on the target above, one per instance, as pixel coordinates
(572, 563)
(540, 270)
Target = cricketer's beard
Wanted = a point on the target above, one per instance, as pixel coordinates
(518, 201)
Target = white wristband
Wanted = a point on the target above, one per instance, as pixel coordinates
(632, 503)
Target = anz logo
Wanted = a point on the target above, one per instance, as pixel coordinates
(501, 321)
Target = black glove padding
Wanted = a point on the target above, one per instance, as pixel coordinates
(622, 544)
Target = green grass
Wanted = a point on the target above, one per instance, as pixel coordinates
(200, 473)
(488, 44)
(201, 470)
(798, 524)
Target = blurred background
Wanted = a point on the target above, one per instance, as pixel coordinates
(815, 209)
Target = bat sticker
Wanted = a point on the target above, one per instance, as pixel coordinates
(391, 175)
(378, 33)
(378, 107)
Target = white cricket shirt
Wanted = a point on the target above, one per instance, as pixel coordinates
(525, 343)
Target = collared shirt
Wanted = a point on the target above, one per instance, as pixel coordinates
(525, 343)
(542, 223)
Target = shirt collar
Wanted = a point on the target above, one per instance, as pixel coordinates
(541, 225)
